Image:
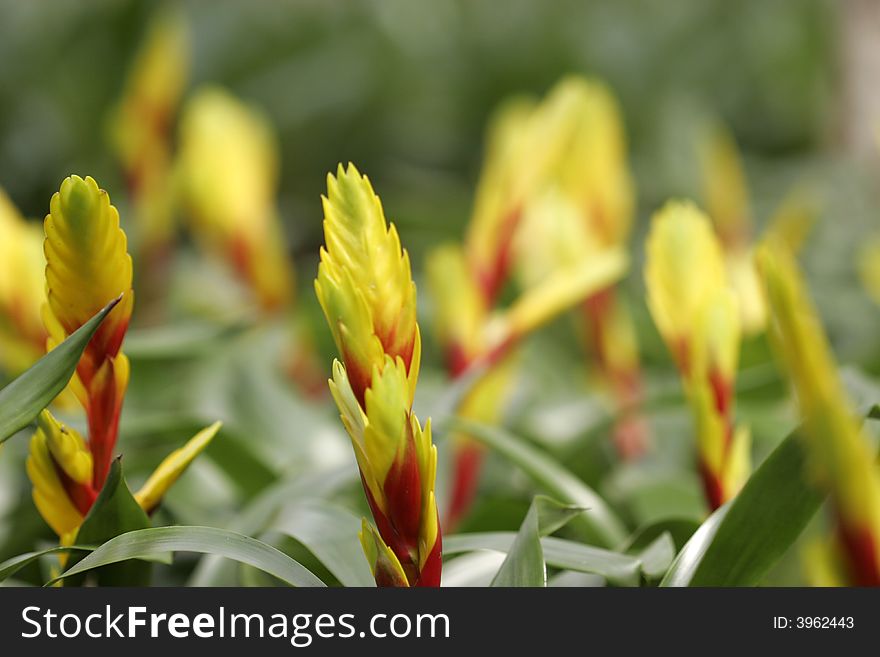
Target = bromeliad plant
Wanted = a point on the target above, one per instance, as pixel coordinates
(841, 457)
(697, 315)
(591, 172)
(524, 221)
(87, 266)
(365, 288)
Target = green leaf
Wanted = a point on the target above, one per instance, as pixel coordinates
(597, 523)
(11, 566)
(23, 399)
(680, 530)
(742, 540)
(619, 569)
(331, 534)
(260, 512)
(524, 564)
(115, 512)
(179, 340)
(206, 540)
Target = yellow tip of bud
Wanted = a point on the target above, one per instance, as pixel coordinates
(174, 465)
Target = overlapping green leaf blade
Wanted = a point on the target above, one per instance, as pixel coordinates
(207, 540)
(597, 523)
(23, 399)
(524, 564)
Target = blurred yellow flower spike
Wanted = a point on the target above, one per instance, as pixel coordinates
(591, 171)
(684, 268)
(727, 199)
(140, 126)
(460, 311)
(697, 315)
(22, 289)
(87, 266)
(591, 157)
(725, 189)
(365, 289)
(869, 267)
(229, 178)
(841, 452)
(516, 158)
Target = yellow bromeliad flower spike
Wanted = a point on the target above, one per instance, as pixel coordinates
(229, 175)
(22, 290)
(365, 288)
(519, 151)
(87, 266)
(592, 171)
(696, 313)
(140, 127)
(592, 168)
(841, 455)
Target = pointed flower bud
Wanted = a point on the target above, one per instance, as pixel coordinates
(840, 449)
(725, 189)
(140, 127)
(60, 468)
(697, 314)
(175, 464)
(365, 288)
(87, 266)
(514, 162)
(229, 174)
(591, 165)
(684, 267)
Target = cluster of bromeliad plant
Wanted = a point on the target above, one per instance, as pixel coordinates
(552, 219)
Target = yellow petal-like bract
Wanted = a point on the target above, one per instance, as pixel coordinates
(725, 189)
(684, 268)
(590, 163)
(174, 465)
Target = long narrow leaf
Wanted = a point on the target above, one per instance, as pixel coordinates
(23, 399)
(742, 540)
(331, 534)
(206, 540)
(597, 523)
(524, 564)
(619, 569)
(11, 566)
